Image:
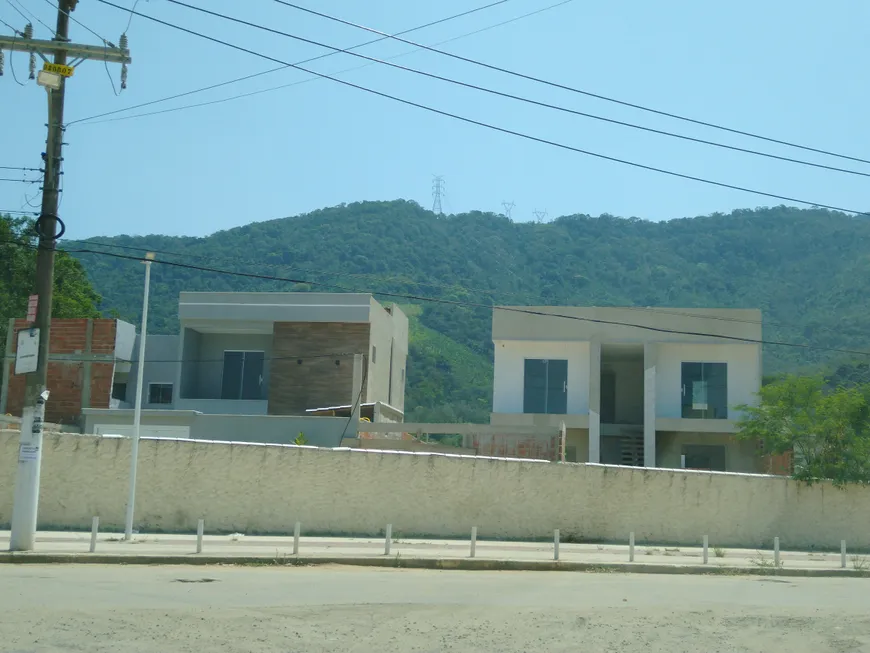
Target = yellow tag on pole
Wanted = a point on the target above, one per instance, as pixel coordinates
(64, 71)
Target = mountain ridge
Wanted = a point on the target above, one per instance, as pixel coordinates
(806, 269)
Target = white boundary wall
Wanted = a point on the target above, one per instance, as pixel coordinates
(266, 488)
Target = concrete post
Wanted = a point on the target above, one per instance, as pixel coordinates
(356, 397)
(776, 552)
(631, 547)
(297, 528)
(473, 540)
(556, 544)
(200, 527)
(706, 549)
(650, 356)
(388, 539)
(843, 554)
(95, 528)
(7, 361)
(595, 401)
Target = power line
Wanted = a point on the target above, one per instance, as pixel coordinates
(20, 168)
(452, 286)
(503, 130)
(265, 72)
(14, 31)
(519, 296)
(23, 181)
(300, 82)
(32, 15)
(207, 361)
(519, 98)
(448, 285)
(80, 23)
(10, 212)
(465, 304)
(573, 89)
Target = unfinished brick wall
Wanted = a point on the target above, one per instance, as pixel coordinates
(68, 367)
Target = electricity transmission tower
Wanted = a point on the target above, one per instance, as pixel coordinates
(508, 207)
(65, 56)
(540, 216)
(438, 189)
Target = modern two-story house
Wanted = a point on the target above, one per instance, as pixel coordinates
(652, 387)
(259, 355)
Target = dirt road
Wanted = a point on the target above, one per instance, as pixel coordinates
(168, 609)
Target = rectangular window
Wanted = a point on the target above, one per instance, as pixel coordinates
(159, 393)
(705, 390)
(545, 386)
(374, 354)
(704, 456)
(243, 375)
(119, 391)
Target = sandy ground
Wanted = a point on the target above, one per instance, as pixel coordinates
(136, 609)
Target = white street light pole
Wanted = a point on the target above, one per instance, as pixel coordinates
(137, 412)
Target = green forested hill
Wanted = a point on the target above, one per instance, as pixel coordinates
(808, 270)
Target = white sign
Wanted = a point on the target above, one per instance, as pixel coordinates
(32, 305)
(27, 355)
(27, 453)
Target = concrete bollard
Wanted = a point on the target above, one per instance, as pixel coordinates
(297, 528)
(556, 544)
(843, 553)
(473, 540)
(706, 549)
(776, 552)
(388, 539)
(631, 546)
(95, 527)
(200, 527)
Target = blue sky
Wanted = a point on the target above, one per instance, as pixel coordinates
(791, 70)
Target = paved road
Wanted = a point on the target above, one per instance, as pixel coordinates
(316, 609)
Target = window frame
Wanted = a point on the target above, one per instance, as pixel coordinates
(241, 388)
(715, 394)
(548, 394)
(171, 385)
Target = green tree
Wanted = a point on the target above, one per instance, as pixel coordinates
(73, 294)
(828, 430)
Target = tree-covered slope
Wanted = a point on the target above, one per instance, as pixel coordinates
(808, 270)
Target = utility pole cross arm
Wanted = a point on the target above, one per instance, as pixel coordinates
(77, 51)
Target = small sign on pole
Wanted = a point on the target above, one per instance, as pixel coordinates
(32, 305)
(27, 354)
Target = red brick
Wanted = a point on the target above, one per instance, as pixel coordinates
(65, 378)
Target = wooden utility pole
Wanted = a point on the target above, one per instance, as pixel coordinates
(49, 228)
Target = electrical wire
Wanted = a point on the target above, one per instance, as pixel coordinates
(79, 23)
(492, 127)
(23, 181)
(32, 15)
(20, 168)
(516, 97)
(307, 80)
(461, 303)
(14, 31)
(514, 297)
(573, 89)
(15, 34)
(266, 72)
(208, 361)
(356, 402)
(130, 20)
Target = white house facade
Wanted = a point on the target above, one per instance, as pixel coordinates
(652, 387)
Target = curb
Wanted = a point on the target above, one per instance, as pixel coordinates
(459, 564)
